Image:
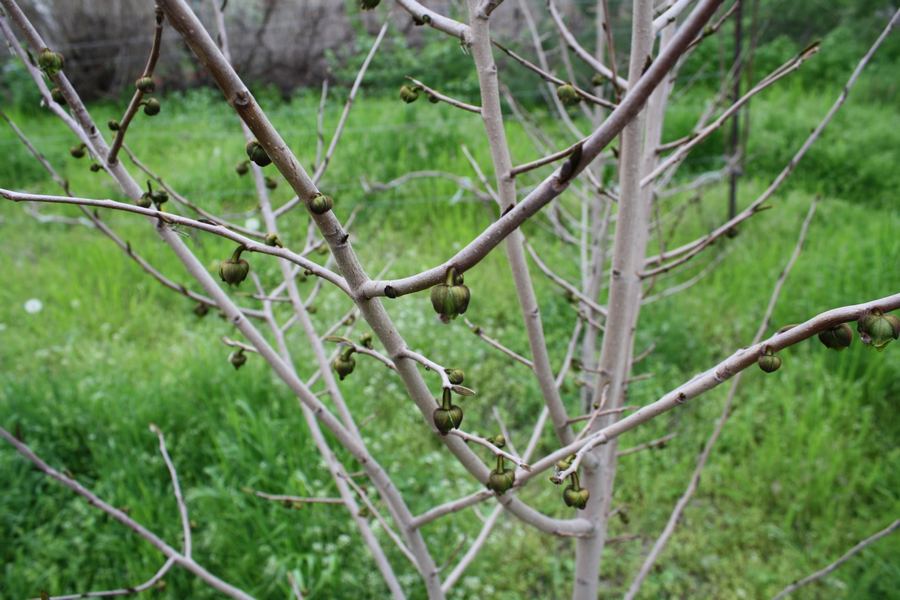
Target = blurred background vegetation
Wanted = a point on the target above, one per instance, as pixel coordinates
(807, 466)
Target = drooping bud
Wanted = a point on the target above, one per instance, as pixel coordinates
(768, 362)
(433, 99)
(201, 309)
(272, 239)
(408, 93)
(57, 96)
(145, 84)
(343, 365)
(597, 80)
(456, 376)
(160, 197)
(368, 4)
(448, 416)
(146, 200)
(77, 151)
(50, 62)
(837, 338)
(567, 95)
(95, 167)
(237, 359)
(320, 204)
(576, 497)
(451, 298)
(235, 269)
(501, 480)
(242, 168)
(113, 125)
(152, 107)
(257, 153)
(877, 330)
(271, 184)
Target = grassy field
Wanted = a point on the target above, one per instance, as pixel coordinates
(808, 465)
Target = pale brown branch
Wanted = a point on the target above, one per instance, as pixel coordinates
(831, 567)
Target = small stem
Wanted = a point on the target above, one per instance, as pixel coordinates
(446, 404)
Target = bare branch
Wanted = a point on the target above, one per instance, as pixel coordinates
(847, 556)
(181, 560)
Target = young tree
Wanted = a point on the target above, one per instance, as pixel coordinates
(608, 233)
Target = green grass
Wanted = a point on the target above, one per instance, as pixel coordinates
(807, 466)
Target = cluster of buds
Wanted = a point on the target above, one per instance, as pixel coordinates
(237, 358)
(409, 93)
(78, 151)
(448, 416)
(501, 479)
(320, 204)
(877, 329)
(573, 495)
(50, 62)
(257, 154)
(151, 197)
(368, 4)
(235, 269)
(451, 298)
(344, 364)
(568, 95)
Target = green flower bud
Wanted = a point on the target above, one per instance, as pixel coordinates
(499, 440)
(837, 338)
(368, 4)
(567, 95)
(501, 480)
(50, 62)
(57, 96)
(272, 239)
(408, 93)
(242, 168)
(343, 365)
(145, 84)
(456, 376)
(235, 269)
(877, 330)
(271, 184)
(320, 204)
(152, 107)
(201, 309)
(768, 362)
(597, 80)
(257, 153)
(366, 340)
(77, 151)
(113, 125)
(146, 200)
(451, 298)
(433, 99)
(448, 416)
(575, 496)
(238, 359)
(95, 167)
